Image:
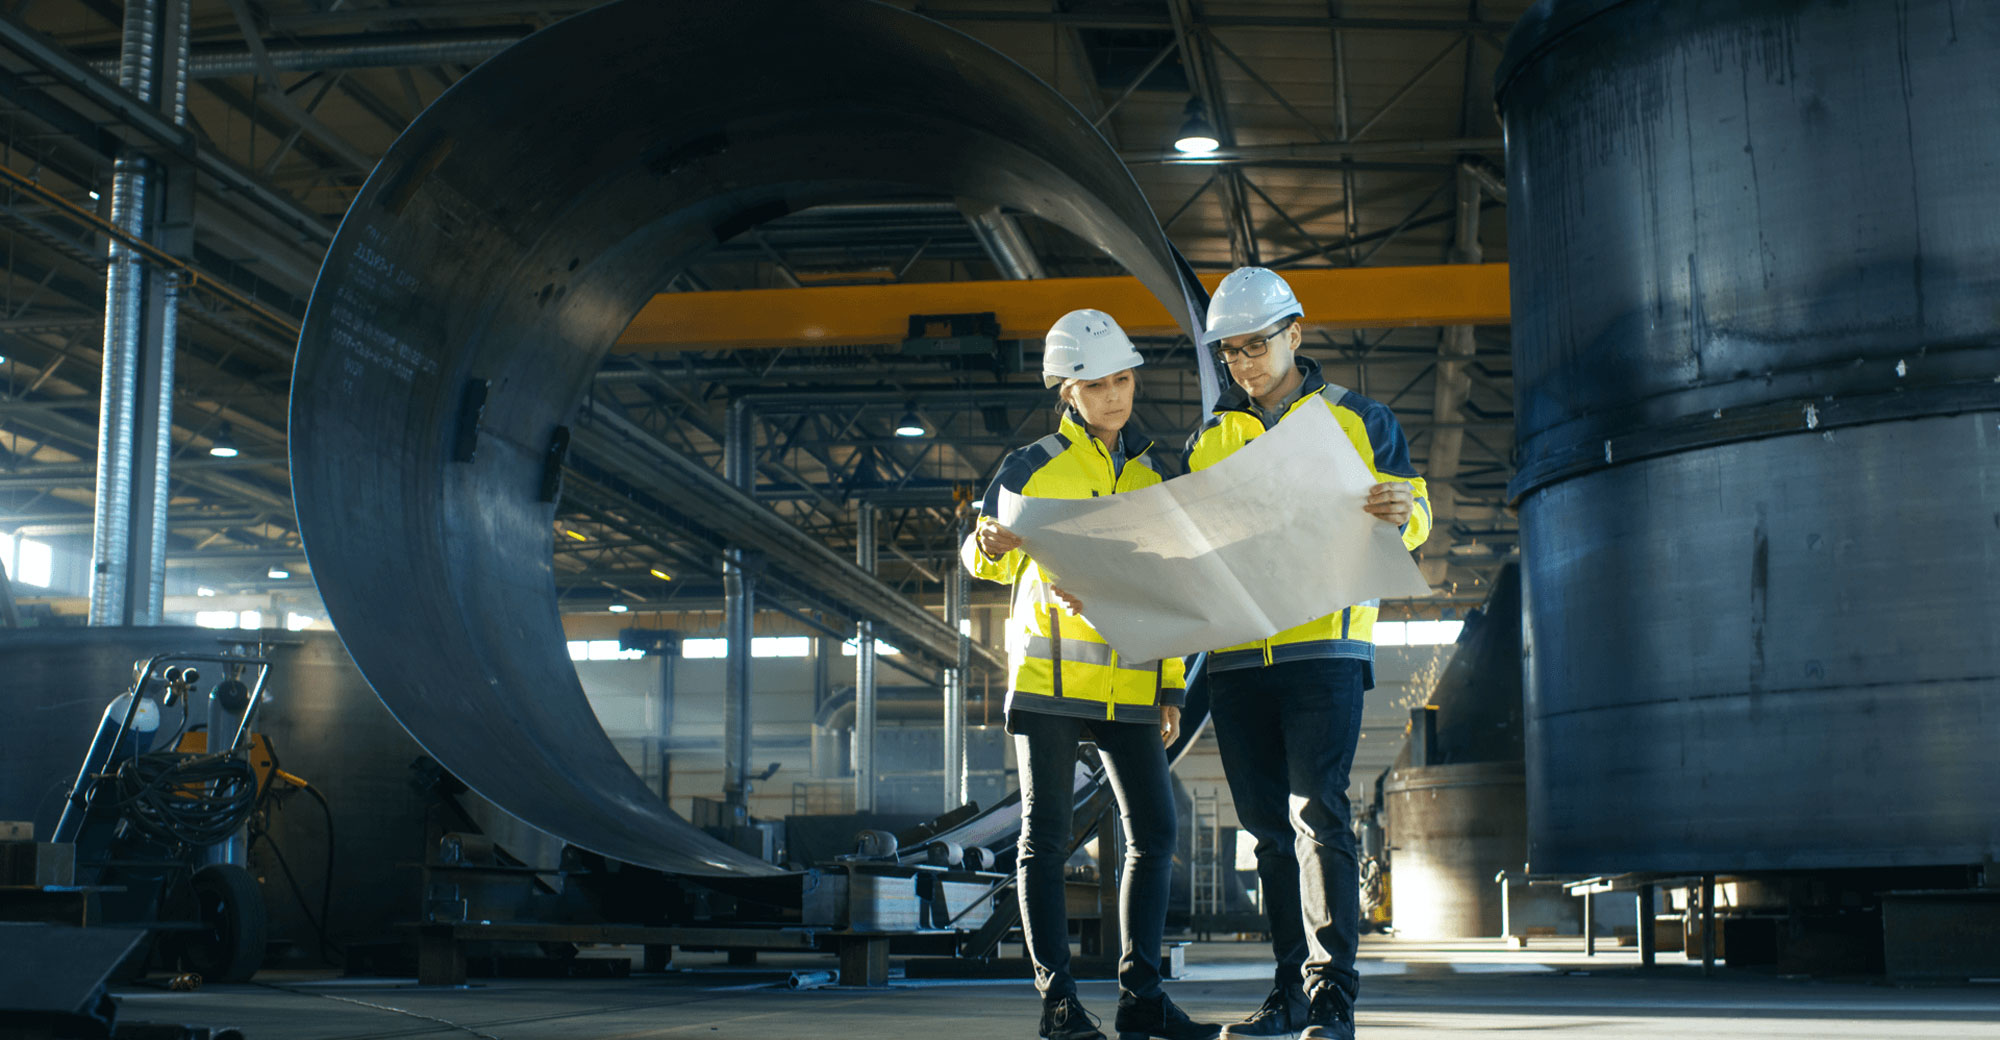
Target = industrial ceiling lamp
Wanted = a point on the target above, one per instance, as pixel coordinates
(911, 424)
(224, 445)
(1197, 136)
(277, 574)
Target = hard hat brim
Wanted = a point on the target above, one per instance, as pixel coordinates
(1222, 332)
(1090, 372)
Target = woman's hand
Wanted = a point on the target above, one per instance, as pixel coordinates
(1170, 724)
(996, 541)
(1391, 502)
(1069, 602)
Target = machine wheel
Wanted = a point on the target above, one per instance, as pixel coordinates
(229, 902)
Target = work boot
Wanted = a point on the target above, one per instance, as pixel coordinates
(1141, 1017)
(1283, 1014)
(1063, 1018)
(1330, 1016)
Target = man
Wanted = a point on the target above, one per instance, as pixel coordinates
(1287, 709)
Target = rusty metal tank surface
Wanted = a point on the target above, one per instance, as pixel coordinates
(1755, 251)
(503, 244)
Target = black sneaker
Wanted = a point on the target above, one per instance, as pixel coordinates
(1330, 1016)
(1139, 1018)
(1065, 1019)
(1283, 1014)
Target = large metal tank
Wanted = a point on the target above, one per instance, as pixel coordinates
(1756, 254)
(324, 723)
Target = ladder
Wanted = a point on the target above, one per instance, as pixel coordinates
(1205, 858)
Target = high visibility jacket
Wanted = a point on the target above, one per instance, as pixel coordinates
(1056, 662)
(1379, 439)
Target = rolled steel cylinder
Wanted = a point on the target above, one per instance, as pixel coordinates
(500, 248)
(1453, 828)
(1755, 249)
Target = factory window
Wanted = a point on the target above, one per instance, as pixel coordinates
(29, 562)
(298, 622)
(215, 618)
(881, 649)
(1417, 633)
(1433, 633)
(780, 646)
(250, 619)
(709, 649)
(603, 651)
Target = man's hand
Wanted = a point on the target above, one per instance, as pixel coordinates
(1069, 602)
(1170, 724)
(996, 541)
(1391, 502)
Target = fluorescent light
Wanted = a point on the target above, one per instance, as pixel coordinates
(1197, 136)
(277, 574)
(224, 445)
(578, 535)
(619, 608)
(95, 196)
(662, 575)
(1196, 144)
(204, 591)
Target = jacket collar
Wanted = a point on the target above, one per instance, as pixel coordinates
(1233, 399)
(1074, 431)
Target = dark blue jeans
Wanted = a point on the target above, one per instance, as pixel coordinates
(1287, 733)
(1136, 764)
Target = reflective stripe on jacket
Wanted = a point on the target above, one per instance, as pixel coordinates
(1056, 662)
(1379, 439)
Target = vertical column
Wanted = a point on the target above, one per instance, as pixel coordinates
(134, 440)
(955, 793)
(1455, 351)
(1649, 940)
(864, 671)
(668, 651)
(738, 608)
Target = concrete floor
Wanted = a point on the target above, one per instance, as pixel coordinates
(1415, 991)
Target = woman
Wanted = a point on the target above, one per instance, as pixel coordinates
(1067, 685)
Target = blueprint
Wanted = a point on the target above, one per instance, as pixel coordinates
(1271, 537)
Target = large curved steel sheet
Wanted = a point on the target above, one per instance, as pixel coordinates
(1755, 257)
(507, 239)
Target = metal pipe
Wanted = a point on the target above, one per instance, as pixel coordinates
(165, 348)
(864, 671)
(738, 624)
(955, 793)
(1000, 235)
(124, 288)
(357, 52)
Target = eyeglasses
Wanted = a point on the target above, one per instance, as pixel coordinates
(1255, 348)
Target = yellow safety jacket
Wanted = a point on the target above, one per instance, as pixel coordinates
(1056, 662)
(1379, 439)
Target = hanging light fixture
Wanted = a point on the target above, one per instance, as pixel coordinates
(224, 444)
(277, 574)
(1197, 136)
(911, 424)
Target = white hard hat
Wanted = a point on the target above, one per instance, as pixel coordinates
(1086, 344)
(1248, 300)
